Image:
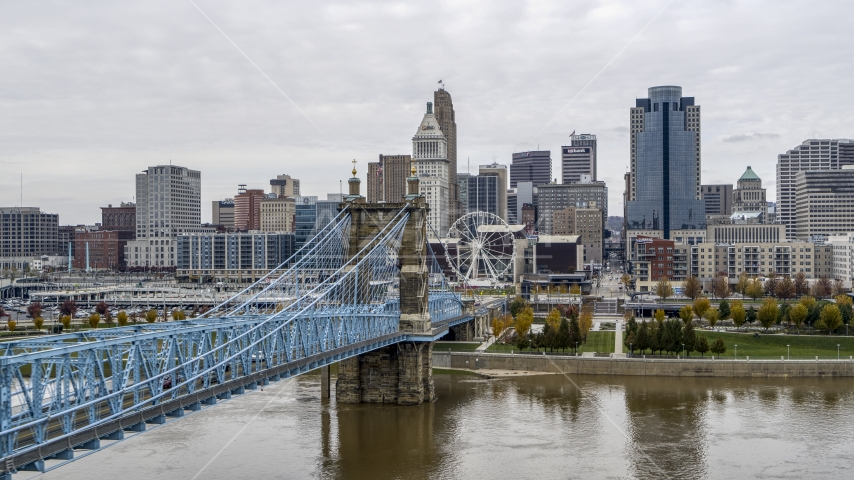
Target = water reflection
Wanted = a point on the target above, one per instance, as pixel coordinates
(667, 427)
(545, 426)
(380, 441)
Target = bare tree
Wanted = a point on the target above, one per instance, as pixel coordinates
(822, 287)
(771, 283)
(785, 289)
(838, 287)
(720, 286)
(802, 286)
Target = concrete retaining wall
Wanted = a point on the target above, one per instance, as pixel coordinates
(651, 367)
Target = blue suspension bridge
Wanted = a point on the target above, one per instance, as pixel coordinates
(366, 282)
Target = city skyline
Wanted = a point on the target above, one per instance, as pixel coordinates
(169, 86)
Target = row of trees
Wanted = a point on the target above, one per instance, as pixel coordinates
(781, 287)
(69, 309)
(824, 316)
(668, 336)
(558, 289)
(565, 327)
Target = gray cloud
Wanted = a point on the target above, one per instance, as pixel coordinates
(93, 92)
(750, 137)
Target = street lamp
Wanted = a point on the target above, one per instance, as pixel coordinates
(837, 351)
(788, 353)
(736, 351)
(576, 349)
(683, 350)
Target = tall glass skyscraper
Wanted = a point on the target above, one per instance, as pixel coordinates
(665, 163)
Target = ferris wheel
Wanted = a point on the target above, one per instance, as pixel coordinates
(480, 248)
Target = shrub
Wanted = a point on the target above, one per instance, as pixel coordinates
(94, 320)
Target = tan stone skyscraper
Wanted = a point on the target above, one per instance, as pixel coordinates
(448, 124)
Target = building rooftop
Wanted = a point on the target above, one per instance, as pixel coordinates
(749, 174)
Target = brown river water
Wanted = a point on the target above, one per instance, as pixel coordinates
(546, 426)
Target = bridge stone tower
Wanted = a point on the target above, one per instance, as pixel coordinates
(400, 373)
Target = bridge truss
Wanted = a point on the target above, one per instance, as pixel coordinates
(324, 304)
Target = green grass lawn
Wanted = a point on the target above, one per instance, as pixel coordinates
(775, 345)
(602, 342)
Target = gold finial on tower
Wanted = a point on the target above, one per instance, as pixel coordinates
(412, 167)
(354, 167)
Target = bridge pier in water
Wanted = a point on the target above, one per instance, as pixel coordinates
(402, 373)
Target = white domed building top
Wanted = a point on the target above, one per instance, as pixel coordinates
(430, 155)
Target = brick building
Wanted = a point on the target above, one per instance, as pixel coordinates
(247, 209)
(106, 250)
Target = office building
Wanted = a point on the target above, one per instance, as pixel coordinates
(66, 239)
(480, 193)
(28, 232)
(824, 202)
(665, 163)
(749, 205)
(553, 197)
(98, 249)
(120, 219)
(586, 222)
(534, 167)
(463, 183)
(430, 155)
(374, 182)
(843, 257)
(168, 201)
(502, 175)
(553, 254)
(247, 209)
(517, 197)
(305, 218)
(718, 199)
(231, 257)
(812, 154)
(387, 178)
(284, 185)
(168, 204)
(746, 233)
(529, 218)
(222, 213)
(326, 210)
(513, 215)
(446, 119)
(277, 213)
(579, 158)
(312, 214)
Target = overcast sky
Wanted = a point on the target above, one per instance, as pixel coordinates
(93, 92)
